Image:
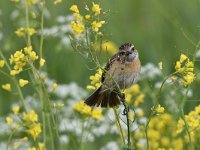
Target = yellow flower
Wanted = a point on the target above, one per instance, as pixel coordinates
(2, 63)
(90, 87)
(9, 120)
(86, 110)
(79, 106)
(31, 2)
(13, 72)
(185, 68)
(31, 31)
(23, 82)
(97, 114)
(41, 146)
(24, 139)
(33, 56)
(139, 99)
(28, 49)
(16, 109)
(6, 87)
(178, 65)
(42, 61)
(87, 17)
(96, 9)
(20, 32)
(110, 47)
(54, 86)
(78, 17)
(96, 25)
(160, 65)
(128, 98)
(30, 117)
(131, 115)
(183, 57)
(35, 130)
(57, 2)
(159, 109)
(188, 79)
(140, 113)
(31, 148)
(77, 27)
(134, 89)
(74, 8)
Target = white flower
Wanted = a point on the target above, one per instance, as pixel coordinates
(111, 145)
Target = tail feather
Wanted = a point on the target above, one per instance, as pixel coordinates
(103, 98)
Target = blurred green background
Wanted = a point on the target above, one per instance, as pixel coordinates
(155, 27)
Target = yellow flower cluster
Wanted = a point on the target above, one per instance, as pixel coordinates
(78, 26)
(28, 123)
(21, 58)
(134, 95)
(185, 67)
(21, 32)
(193, 121)
(96, 9)
(158, 109)
(158, 133)
(31, 122)
(96, 25)
(82, 108)
(95, 80)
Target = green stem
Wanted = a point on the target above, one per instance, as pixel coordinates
(10, 138)
(146, 130)
(46, 102)
(27, 23)
(50, 132)
(44, 127)
(119, 124)
(42, 28)
(184, 119)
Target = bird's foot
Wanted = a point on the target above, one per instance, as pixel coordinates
(125, 111)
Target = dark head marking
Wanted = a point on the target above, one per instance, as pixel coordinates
(126, 46)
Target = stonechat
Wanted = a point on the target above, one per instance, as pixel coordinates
(120, 73)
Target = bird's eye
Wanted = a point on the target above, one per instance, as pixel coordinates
(133, 48)
(122, 53)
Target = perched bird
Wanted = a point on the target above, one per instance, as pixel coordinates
(120, 73)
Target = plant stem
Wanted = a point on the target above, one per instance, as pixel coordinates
(181, 109)
(119, 124)
(27, 23)
(42, 28)
(50, 131)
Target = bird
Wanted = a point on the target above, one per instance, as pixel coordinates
(120, 72)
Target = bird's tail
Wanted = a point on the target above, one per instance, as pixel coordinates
(103, 97)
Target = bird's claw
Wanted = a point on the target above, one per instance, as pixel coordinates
(125, 111)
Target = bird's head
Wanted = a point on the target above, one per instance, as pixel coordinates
(128, 51)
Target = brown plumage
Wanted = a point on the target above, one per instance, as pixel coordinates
(119, 73)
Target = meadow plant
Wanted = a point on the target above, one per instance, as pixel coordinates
(54, 116)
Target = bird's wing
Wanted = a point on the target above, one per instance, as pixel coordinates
(108, 65)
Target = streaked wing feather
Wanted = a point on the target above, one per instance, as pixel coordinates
(108, 65)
